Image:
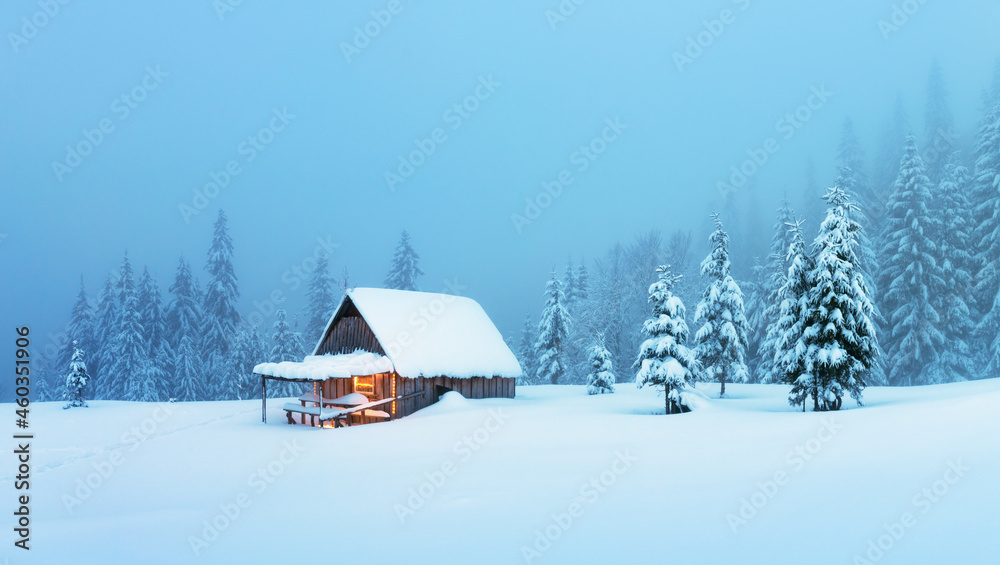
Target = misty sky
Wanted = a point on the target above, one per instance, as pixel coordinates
(208, 84)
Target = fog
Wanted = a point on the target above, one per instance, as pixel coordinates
(305, 117)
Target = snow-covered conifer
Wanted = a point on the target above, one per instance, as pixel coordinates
(722, 338)
(405, 269)
(526, 352)
(553, 332)
(664, 359)
(105, 330)
(601, 379)
(321, 300)
(911, 276)
(76, 381)
(790, 347)
(986, 202)
(839, 334)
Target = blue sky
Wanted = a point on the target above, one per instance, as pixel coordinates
(208, 83)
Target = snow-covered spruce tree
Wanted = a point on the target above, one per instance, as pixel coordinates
(321, 300)
(911, 276)
(76, 381)
(405, 269)
(790, 347)
(553, 332)
(953, 218)
(851, 155)
(776, 272)
(986, 202)
(722, 338)
(526, 353)
(755, 304)
(79, 328)
(184, 322)
(601, 378)
(105, 330)
(131, 376)
(664, 359)
(840, 339)
(154, 328)
(249, 349)
(892, 142)
(188, 385)
(582, 283)
(938, 128)
(42, 386)
(287, 346)
(220, 314)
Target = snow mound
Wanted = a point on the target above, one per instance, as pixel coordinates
(449, 402)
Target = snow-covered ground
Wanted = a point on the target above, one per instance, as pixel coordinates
(553, 476)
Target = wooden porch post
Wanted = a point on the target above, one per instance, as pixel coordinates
(263, 398)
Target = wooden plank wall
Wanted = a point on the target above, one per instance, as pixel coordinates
(349, 334)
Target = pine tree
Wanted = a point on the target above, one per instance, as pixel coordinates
(756, 307)
(601, 379)
(80, 329)
(839, 334)
(664, 359)
(43, 388)
(893, 140)
(76, 381)
(852, 156)
(287, 347)
(154, 328)
(130, 375)
(249, 349)
(911, 275)
(790, 359)
(776, 270)
(582, 283)
(938, 125)
(188, 385)
(986, 202)
(321, 301)
(105, 330)
(569, 280)
(722, 337)
(220, 314)
(405, 269)
(553, 332)
(184, 322)
(526, 353)
(954, 222)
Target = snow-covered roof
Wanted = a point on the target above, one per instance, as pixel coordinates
(428, 334)
(322, 367)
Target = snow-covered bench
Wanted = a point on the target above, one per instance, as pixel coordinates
(339, 416)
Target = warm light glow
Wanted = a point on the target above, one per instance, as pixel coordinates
(364, 385)
(393, 377)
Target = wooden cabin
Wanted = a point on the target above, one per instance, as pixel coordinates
(407, 347)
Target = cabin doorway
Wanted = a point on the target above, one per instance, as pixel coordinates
(439, 391)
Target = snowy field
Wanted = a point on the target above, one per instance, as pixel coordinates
(553, 476)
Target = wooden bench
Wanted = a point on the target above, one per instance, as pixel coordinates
(339, 416)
